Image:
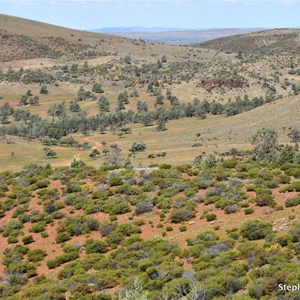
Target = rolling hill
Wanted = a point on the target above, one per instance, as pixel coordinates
(264, 42)
(26, 39)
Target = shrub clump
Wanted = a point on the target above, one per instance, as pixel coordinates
(255, 229)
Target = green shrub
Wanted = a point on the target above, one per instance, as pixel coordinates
(115, 180)
(181, 215)
(28, 239)
(255, 229)
(182, 228)
(36, 255)
(62, 237)
(293, 201)
(67, 248)
(95, 246)
(12, 239)
(169, 228)
(137, 147)
(61, 259)
(44, 234)
(39, 227)
(211, 217)
(264, 197)
(248, 211)
(116, 206)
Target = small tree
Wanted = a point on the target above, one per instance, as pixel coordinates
(29, 93)
(83, 94)
(161, 124)
(265, 144)
(105, 151)
(97, 88)
(77, 164)
(142, 106)
(57, 110)
(294, 135)
(147, 118)
(210, 160)
(23, 101)
(49, 152)
(103, 104)
(34, 100)
(74, 106)
(85, 67)
(115, 155)
(102, 128)
(94, 153)
(159, 100)
(44, 90)
(127, 60)
(5, 111)
(137, 147)
(123, 98)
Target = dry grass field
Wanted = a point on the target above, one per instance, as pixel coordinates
(217, 134)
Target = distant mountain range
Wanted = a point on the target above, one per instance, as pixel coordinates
(135, 29)
(175, 35)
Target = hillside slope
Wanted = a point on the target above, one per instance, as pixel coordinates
(26, 39)
(267, 41)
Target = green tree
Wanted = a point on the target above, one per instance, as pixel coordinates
(137, 147)
(85, 67)
(210, 160)
(49, 152)
(115, 155)
(127, 60)
(123, 98)
(294, 135)
(103, 104)
(57, 110)
(34, 100)
(5, 111)
(94, 153)
(97, 88)
(159, 100)
(265, 144)
(24, 100)
(161, 124)
(147, 118)
(83, 94)
(74, 106)
(142, 106)
(286, 155)
(44, 90)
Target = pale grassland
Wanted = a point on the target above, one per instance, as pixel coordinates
(26, 152)
(67, 92)
(217, 134)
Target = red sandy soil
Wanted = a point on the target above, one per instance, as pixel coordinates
(149, 231)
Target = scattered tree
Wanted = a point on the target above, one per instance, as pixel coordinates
(49, 152)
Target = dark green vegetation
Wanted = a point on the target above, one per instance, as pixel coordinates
(96, 227)
(27, 125)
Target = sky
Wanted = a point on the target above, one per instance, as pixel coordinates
(189, 14)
